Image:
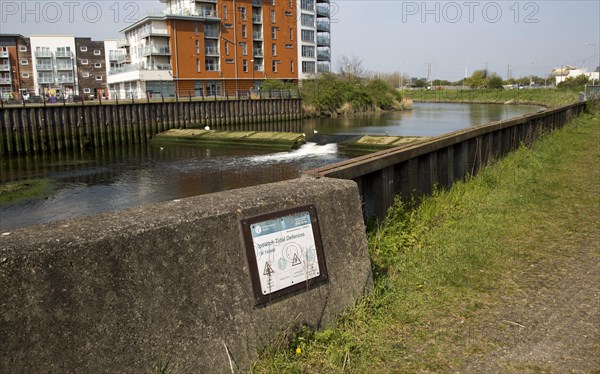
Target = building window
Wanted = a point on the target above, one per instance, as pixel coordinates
(291, 34)
(307, 20)
(83, 49)
(228, 26)
(227, 48)
(274, 49)
(242, 13)
(98, 77)
(87, 90)
(197, 65)
(307, 4)
(96, 52)
(273, 33)
(24, 62)
(308, 67)
(275, 63)
(197, 47)
(97, 65)
(224, 11)
(308, 51)
(22, 48)
(244, 49)
(245, 65)
(229, 61)
(272, 15)
(291, 66)
(244, 32)
(289, 46)
(308, 36)
(85, 74)
(25, 75)
(84, 61)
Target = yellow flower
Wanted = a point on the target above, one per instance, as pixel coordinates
(298, 350)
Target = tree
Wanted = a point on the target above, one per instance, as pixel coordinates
(350, 66)
(477, 79)
(574, 82)
(494, 81)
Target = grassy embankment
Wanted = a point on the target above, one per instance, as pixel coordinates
(25, 190)
(544, 97)
(444, 264)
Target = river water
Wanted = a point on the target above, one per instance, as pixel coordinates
(86, 183)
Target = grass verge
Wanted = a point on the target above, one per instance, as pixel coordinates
(544, 97)
(439, 267)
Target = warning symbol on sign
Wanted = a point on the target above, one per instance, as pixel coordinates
(296, 260)
(268, 269)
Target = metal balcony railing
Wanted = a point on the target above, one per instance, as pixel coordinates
(258, 52)
(122, 43)
(64, 67)
(156, 51)
(64, 54)
(43, 67)
(323, 25)
(323, 10)
(323, 41)
(43, 54)
(257, 35)
(153, 31)
(211, 51)
(64, 80)
(256, 18)
(5, 80)
(46, 80)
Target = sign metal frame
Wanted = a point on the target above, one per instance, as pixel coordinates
(322, 276)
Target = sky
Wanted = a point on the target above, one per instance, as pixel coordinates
(448, 38)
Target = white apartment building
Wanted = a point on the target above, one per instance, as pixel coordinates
(314, 37)
(54, 64)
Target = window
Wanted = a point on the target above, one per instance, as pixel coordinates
(22, 48)
(25, 75)
(96, 52)
(307, 20)
(307, 4)
(273, 32)
(289, 46)
(212, 64)
(24, 61)
(244, 49)
(272, 15)
(308, 67)
(275, 63)
(291, 66)
(291, 34)
(274, 49)
(227, 48)
(85, 74)
(83, 49)
(308, 36)
(224, 11)
(272, 2)
(87, 90)
(197, 47)
(84, 61)
(245, 65)
(227, 26)
(244, 31)
(308, 51)
(229, 61)
(98, 77)
(98, 65)
(242, 13)
(197, 65)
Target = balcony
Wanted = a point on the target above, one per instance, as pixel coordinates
(209, 14)
(66, 80)
(256, 18)
(119, 58)
(259, 68)
(257, 36)
(323, 10)
(258, 52)
(323, 67)
(324, 55)
(45, 80)
(43, 67)
(211, 51)
(5, 80)
(323, 41)
(148, 31)
(64, 67)
(5, 67)
(4, 54)
(211, 34)
(64, 54)
(256, 3)
(43, 54)
(207, 1)
(156, 51)
(136, 67)
(323, 25)
(123, 43)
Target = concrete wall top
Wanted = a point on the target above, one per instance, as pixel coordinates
(123, 291)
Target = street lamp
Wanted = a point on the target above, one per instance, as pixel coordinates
(595, 54)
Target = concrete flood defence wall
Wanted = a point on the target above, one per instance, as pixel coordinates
(124, 291)
(56, 127)
(413, 171)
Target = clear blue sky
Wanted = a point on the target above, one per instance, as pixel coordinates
(530, 36)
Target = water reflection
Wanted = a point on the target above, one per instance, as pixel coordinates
(119, 178)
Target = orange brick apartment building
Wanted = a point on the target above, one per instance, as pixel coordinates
(210, 47)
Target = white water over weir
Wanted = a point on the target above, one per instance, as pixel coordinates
(307, 150)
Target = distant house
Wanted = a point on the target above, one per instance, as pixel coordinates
(564, 72)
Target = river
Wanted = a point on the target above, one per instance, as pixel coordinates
(106, 180)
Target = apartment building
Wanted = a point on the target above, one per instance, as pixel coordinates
(91, 68)
(16, 71)
(314, 49)
(207, 48)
